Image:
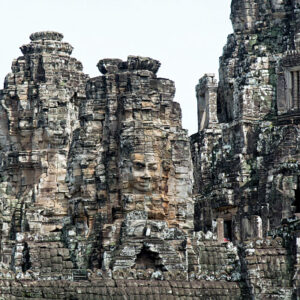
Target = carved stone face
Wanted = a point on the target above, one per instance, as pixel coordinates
(145, 172)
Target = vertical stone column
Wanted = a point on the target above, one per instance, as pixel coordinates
(256, 223)
(295, 89)
(220, 230)
(206, 92)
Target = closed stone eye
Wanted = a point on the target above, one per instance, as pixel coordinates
(153, 167)
(139, 165)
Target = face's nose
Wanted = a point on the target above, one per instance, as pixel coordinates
(146, 174)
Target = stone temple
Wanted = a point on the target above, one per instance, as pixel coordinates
(103, 195)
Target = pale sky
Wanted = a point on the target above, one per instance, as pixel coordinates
(186, 36)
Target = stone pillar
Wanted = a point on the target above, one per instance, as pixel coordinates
(256, 222)
(220, 230)
(206, 92)
(295, 89)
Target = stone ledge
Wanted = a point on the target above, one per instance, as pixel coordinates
(115, 65)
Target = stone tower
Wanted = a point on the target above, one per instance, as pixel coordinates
(246, 165)
(130, 169)
(39, 112)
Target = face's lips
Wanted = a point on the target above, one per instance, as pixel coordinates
(144, 183)
(144, 180)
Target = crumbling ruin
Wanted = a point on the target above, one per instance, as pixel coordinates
(104, 196)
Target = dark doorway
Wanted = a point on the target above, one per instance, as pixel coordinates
(26, 264)
(146, 259)
(228, 230)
